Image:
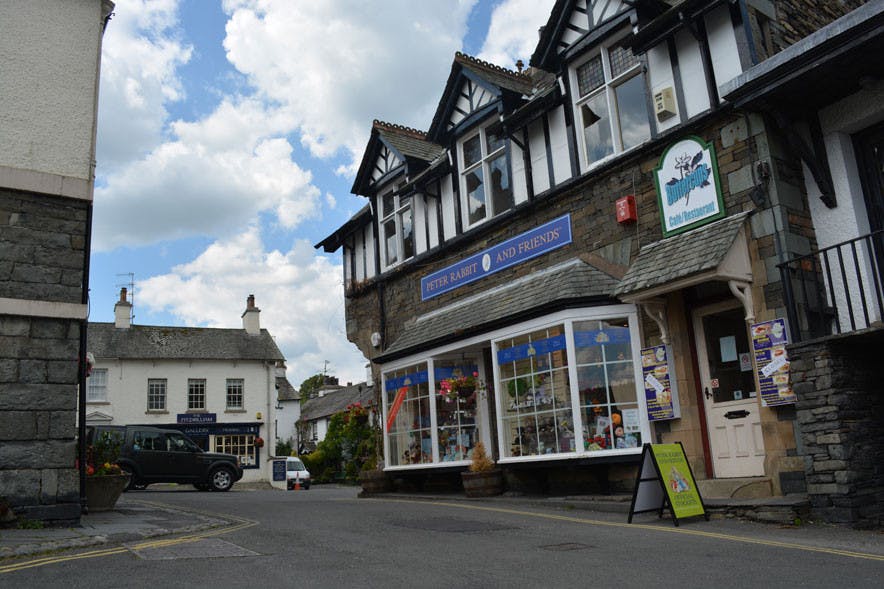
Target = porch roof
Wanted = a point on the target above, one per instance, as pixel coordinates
(566, 285)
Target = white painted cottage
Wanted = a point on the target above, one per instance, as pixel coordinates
(219, 386)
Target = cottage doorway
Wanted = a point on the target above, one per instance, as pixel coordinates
(730, 399)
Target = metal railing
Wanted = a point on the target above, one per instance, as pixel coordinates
(835, 290)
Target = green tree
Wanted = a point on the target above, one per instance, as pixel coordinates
(348, 447)
(311, 385)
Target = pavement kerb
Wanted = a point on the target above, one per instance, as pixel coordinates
(111, 528)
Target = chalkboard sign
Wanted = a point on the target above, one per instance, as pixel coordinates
(279, 470)
(665, 481)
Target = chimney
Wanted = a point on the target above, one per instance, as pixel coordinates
(123, 312)
(250, 320)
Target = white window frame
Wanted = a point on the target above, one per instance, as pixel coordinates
(568, 317)
(607, 88)
(234, 382)
(156, 382)
(482, 163)
(240, 445)
(402, 206)
(96, 389)
(195, 395)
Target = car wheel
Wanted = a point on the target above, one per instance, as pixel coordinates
(221, 479)
(133, 482)
(201, 486)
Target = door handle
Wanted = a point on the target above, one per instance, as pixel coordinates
(707, 393)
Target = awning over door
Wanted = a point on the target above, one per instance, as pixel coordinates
(717, 251)
(563, 286)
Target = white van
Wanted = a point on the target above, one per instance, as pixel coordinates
(295, 471)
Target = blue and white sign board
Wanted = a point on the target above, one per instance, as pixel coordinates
(538, 241)
(193, 418)
(688, 188)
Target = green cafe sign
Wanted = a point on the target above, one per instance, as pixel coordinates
(688, 188)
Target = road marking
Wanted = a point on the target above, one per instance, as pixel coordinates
(664, 529)
(241, 524)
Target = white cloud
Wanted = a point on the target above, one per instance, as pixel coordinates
(140, 56)
(336, 65)
(299, 293)
(513, 33)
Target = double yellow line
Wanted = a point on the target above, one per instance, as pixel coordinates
(240, 524)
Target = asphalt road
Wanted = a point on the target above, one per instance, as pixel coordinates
(326, 537)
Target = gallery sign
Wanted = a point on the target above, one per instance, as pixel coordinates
(688, 188)
(538, 241)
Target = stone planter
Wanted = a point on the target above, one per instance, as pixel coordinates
(102, 492)
(374, 481)
(482, 484)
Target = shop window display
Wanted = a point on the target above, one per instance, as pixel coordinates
(535, 393)
(409, 432)
(606, 379)
(457, 393)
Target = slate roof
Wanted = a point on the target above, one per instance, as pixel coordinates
(337, 401)
(574, 280)
(407, 141)
(499, 76)
(148, 342)
(681, 256)
(285, 391)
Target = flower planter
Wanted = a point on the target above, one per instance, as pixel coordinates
(102, 492)
(482, 484)
(374, 481)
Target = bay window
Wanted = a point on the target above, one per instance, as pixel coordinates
(485, 184)
(407, 402)
(397, 228)
(612, 111)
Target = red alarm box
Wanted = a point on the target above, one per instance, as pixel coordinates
(626, 212)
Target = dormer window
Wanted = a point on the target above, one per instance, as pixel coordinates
(397, 228)
(485, 180)
(612, 111)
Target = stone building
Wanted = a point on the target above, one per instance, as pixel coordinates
(47, 129)
(584, 256)
(219, 386)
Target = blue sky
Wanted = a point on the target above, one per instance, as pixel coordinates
(229, 132)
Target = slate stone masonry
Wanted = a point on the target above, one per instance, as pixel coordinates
(841, 417)
(42, 258)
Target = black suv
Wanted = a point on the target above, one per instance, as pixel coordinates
(155, 455)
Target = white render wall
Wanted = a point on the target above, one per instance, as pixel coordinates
(127, 396)
(49, 89)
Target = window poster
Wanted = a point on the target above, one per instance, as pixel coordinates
(660, 391)
(769, 340)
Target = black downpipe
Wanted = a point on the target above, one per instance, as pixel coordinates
(81, 372)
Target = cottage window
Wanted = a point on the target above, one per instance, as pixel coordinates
(485, 185)
(156, 394)
(397, 228)
(235, 393)
(96, 392)
(241, 446)
(612, 111)
(196, 394)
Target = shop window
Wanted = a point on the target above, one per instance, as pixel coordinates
(234, 393)
(612, 111)
(409, 431)
(485, 185)
(156, 394)
(397, 229)
(456, 406)
(240, 445)
(96, 391)
(534, 394)
(196, 394)
(606, 380)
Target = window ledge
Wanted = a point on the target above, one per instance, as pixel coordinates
(196, 411)
(234, 411)
(98, 402)
(156, 412)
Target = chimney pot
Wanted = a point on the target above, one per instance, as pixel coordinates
(123, 294)
(250, 302)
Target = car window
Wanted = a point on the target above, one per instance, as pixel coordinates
(295, 465)
(148, 441)
(178, 443)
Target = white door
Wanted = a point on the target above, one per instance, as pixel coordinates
(728, 382)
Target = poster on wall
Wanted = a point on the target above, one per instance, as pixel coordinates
(688, 188)
(661, 393)
(769, 340)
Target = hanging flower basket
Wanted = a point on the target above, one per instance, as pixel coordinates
(459, 387)
(259, 442)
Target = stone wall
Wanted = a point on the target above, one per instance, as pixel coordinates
(42, 255)
(841, 417)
